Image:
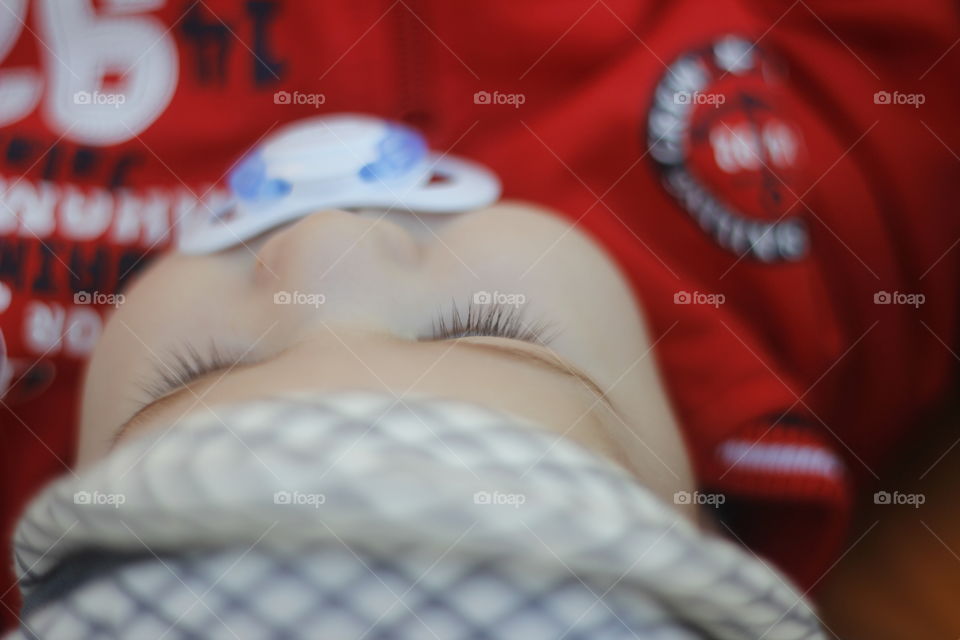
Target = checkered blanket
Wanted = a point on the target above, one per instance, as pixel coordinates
(357, 515)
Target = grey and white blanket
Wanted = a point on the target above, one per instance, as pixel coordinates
(355, 515)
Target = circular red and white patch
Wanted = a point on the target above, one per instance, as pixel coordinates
(728, 150)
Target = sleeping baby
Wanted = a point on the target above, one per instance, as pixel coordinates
(366, 400)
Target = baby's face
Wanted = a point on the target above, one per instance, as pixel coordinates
(508, 307)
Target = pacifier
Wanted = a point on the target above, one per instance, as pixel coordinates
(345, 161)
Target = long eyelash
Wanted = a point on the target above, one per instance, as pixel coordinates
(184, 365)
(494, 320)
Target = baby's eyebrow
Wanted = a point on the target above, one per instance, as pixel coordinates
(554, 363)
(147, 410)
(156, 406)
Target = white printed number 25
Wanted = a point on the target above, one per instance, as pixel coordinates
(80, 47)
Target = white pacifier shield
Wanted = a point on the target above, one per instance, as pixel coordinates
(343, 161)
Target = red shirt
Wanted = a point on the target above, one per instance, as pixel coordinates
(785, 212)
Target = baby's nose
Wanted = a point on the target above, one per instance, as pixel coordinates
(336, 243)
